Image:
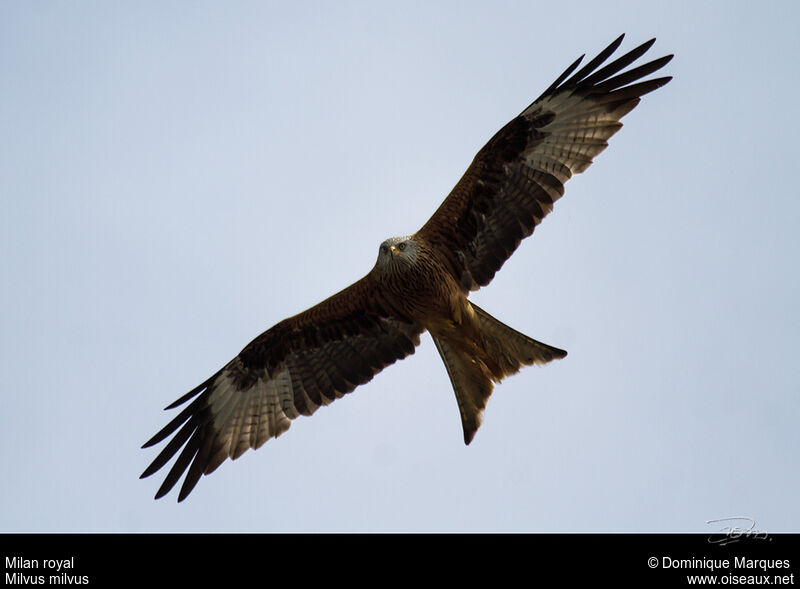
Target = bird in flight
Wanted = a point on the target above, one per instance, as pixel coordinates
(419, 283)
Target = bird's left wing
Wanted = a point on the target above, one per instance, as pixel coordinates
(514, 180)
(292, 369)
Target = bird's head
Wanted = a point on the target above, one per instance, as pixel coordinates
(397, 253)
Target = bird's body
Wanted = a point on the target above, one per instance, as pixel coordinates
(475, 347)
(416, 276)
(419, 283)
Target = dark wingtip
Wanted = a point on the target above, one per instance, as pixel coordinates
(184, 398)
(151, 442)
(198, 389)
(165, 487)
(664, 81)
(590, 77)
(617, 42)
(598, 60)
(562, 77)
(150, 470)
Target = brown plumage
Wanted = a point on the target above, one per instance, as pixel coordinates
(419, 283)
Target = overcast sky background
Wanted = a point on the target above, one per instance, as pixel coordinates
(177, 177)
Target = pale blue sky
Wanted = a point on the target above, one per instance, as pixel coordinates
(177, 177)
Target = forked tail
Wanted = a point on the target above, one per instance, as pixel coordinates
(501, 352)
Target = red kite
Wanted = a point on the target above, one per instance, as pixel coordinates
(419, 283)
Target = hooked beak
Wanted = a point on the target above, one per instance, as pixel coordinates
(393, 250)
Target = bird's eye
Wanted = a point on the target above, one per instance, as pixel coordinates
(384, 249)
(402, 246)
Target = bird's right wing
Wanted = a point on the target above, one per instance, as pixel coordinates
(292, 369)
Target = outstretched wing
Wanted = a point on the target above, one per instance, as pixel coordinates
(292, 369)
(514, 180)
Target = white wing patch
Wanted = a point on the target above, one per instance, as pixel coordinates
(579, 131)
(246, 419)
